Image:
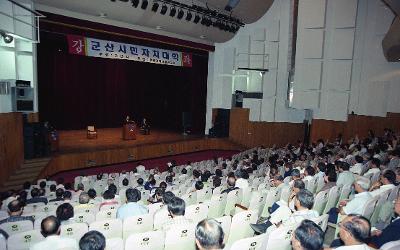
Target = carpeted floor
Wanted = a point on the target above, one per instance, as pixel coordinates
(149, 164)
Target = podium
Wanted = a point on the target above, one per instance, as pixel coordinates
(128, 131)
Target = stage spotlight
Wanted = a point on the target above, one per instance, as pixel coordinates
(180, 14)
(135, 3)
(172, 12)
(155, 7)
(145, 3)
(189, 16)
(164, 9)
(8, 39)
(196, 19)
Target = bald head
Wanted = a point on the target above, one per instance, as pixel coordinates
(209, 235)
(84, 198)
(355, 228)
(50, 226)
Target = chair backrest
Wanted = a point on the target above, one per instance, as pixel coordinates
(312, 184)
(345, 193)
(152, 240)
(394, 193)
(91, 128)
(320, 201)
(246, 195)
(137, 224)
(233, 197)
(240, 227)
(17, 227)
(369, 207)
(180, 237)
(217, 206)
(381, 200)
(333, 196)
(109, 228)
(24, 240)
(74, 230)
(154, 207)
(110, 207)
(272, 197)
(253, 243)
(321, 221)
(225, 223)
(392, 245)
(217, 190)
(106, 214)
(190, 198)
(257, 201)
(84, 218)
(115, 244)
(203, 194)
(280, 238)
(320, 184)
(160, 218)
(196, 213)
(285, 192)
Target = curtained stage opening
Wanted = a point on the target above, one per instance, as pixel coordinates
(77, 91)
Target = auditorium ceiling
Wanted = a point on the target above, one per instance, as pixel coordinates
(122, 10)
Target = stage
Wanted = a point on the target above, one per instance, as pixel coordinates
(74, 141)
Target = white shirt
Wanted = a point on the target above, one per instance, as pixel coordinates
(356, 205)
(354, 247)
(55, 242)
(345, 178)
(372, 171)
(382, 189)
(241, 183)
(308, 178)
(357, 168)
(140, 169)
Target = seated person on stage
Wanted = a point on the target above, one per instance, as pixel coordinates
(304, 201)
(145, 127)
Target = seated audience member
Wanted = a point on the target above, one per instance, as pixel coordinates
(92, 240)
(198, 186)
(163, 185)
(374, 165)
(59, 195)
(35, 193)
(345, 177)
(125, 183)
(309, 173)
(8, 197)
(80, 189)
(150, 183)
(131, 208)
(113, 189)
(295, 175)
(209, 235)
(308, 236)
(330, 181)
(166, 199)
(288, 169)
(157, 196)
(389, 233)
(176, 209)
(304, 202)
(42, 192)
(386, 182)
(241, 181)
(84, 201)
(218, 172)
(231, 185)
(92, 194)
(354, 232)
(140, 168)
(354, 206)
(108, 199)
(297, 186)
(67, 196)
(15, 210)
(140, 182)
(394, 159)
(357, 168)
(321, 167)
(65, 214)
(53, 189)
(216, 182)
(50, 229)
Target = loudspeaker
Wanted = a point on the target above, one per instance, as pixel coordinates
(220, 128)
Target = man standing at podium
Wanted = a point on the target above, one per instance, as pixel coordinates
(128, 129)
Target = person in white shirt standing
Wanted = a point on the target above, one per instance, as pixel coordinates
(50, 229)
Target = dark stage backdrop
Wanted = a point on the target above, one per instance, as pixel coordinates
(77, 91)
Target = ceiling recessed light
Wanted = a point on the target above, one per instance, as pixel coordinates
(103, 15)
(202, 36)
(158, 27)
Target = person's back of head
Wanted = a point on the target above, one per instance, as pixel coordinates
(358, 159)
(308, 236)
(108, 195)
(42, 192)
(27, 185)
(218, 172)
(59, 192)
(112, 188)
(84, 198)
(125, 182)
(92, 240)
(140, 182)
(204, 177)
(184, 171)
(299, 184)
(231, 181)
(375, 162)
(389, 177)
(67, 195)
(163, 185)
(81, 187)
(216, 181)
(305, 198)
(167, 197)
(332, 176)
(65, 212)
(50, 226)
(132, 195)
(53, 188)
(169, 179)
(176, 207)
(344, 166)
(92, 193)
(196, 173)
(68, 186)
(355, 228)
(322, 166)
(42, 184)
(199, 185)
(35, 192)
(209, 235)
(15, 207)
(159, 192)
(295, 173)
(310, 171)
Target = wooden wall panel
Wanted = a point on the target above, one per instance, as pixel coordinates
(251, 134)
(11, 144)
(105, 157)
(356, 124)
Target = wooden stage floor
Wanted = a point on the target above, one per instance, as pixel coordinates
(111, 138)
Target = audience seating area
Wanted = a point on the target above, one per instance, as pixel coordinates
(235, 210)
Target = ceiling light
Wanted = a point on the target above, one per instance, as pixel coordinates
(135, 3)
(180, 14)
(164, 9)
(172, 12)
(202, 36)
(7, 38)
(189, 16)
(196, 19)
(103, 15)
(155, 7)
(158, 27)
(144, 4)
